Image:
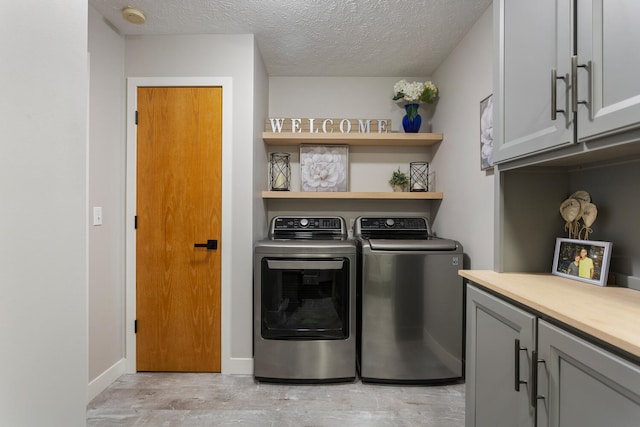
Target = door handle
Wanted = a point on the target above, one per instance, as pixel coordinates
(534, 379)
(516, 357)
(574, 83)
(210, 245)
(554, 93)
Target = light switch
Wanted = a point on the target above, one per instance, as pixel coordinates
(97, 215)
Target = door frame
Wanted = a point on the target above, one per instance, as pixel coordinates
(133, 83)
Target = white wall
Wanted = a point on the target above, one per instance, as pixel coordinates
(613, 188)
(464, 79)
(370, 167)
(219, 56)
(107, 190)
(43, 213)
(260, 105)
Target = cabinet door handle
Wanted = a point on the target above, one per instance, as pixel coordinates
(554, 93)
(516, 357)
(534, 379)
(574, 83)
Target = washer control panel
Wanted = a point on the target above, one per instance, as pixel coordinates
(393, 223)
(392, 227)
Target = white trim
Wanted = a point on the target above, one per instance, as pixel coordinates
(227, 147)
(105, 379)
(87, 196)
(237, 365)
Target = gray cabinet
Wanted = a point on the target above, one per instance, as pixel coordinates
(608, 39)
(581, 384)
(500, 341)
(533, 38)
(554, 90)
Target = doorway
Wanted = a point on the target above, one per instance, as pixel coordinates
(224, 251)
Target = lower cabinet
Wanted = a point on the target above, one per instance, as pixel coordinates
(581, 384)
(562, 381)
(500, 342)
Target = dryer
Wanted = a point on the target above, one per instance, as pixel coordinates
(304, 301)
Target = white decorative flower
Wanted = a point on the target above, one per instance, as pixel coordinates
(322, 169)
(416, 92)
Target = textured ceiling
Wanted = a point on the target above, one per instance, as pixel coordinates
(318, 37)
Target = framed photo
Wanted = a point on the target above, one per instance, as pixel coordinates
(584, 260)
(486, 133)
(324, 168)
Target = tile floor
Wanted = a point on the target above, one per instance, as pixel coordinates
(171, 399)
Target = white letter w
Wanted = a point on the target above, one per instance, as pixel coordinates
(276, 125)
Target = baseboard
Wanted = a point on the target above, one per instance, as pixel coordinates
(105, 379)
(232, 366)
(238, 366)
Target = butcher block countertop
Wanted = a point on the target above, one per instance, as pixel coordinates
(609, 314)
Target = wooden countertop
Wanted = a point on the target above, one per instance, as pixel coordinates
(609, 314)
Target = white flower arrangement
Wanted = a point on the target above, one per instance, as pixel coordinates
(415, 92)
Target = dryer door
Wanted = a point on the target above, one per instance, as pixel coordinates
(305, 299)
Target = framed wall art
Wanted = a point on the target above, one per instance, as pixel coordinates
(584, 260)
(324, 168)
(486, 133)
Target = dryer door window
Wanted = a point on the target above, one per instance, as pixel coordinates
(305, 298)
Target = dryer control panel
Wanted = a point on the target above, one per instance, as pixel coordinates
(317, 227)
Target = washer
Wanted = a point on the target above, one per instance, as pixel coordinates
(304, 301)
(410, 298)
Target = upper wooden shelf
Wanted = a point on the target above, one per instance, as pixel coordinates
(355, 139)
(356, 195)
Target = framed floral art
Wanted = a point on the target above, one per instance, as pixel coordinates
(324, 168)
(486, 133)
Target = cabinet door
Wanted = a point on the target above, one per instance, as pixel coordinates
(584, 385)
(608, 35)
(533, 37)
(493, 329)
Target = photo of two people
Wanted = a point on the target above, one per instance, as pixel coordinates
(582, 260)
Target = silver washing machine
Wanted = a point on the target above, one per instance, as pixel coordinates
(304, 301)
(410, 299)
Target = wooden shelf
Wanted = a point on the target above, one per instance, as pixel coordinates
(354, 139)
(358, 195)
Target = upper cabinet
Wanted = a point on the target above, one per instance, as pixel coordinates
(534, 38)
(565, 75)
(608, 44)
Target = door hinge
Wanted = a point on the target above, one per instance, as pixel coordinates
(135, 326)
(136, 116)
(135, 222)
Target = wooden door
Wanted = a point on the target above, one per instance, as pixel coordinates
(178, 205)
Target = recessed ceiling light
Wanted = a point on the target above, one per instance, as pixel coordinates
(133, 15)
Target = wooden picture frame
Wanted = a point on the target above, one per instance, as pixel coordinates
(584, 260)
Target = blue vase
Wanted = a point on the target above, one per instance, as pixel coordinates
(411, 121)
